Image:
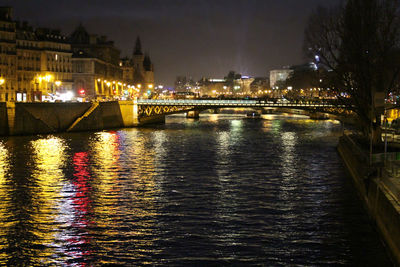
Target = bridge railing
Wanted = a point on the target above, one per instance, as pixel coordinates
(214, 102)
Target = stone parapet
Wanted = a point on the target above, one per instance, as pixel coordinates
(378, 198)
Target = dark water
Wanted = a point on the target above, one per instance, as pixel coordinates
(223, 190)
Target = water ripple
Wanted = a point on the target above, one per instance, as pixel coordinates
(224, 190)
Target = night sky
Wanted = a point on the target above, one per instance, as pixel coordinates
(187, 37)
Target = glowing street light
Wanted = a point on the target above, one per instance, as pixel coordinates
(48, 77)
(2, 80)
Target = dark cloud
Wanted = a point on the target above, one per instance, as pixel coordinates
(188, 37)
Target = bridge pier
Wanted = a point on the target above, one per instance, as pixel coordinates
(194, 114)
(152, 120)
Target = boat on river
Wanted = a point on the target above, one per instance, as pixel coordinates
(253, 114)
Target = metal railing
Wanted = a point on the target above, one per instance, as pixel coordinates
(241, 103)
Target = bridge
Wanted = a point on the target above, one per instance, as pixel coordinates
(158, 108)
(39, 117)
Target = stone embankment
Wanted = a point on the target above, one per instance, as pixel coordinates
(42, 118)
(379, 191)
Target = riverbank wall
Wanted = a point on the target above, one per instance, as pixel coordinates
(44, 118)
(3, 119)
(378, 191)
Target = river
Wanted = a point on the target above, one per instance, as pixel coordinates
(221, 190)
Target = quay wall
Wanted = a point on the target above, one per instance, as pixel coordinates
(380, 201)
(3, 119)
(41, 118)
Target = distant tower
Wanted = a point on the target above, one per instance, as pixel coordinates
(138, 56)
(138, 59)
(138, 47)
(148, 66)
(149, 70)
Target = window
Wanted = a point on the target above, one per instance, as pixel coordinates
(79, 67)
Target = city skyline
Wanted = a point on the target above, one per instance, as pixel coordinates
(196, 38)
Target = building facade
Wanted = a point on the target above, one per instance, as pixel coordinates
(139, 71)
(96, 71)
(8, 56)
(44, 65)
(99, 73)
(279, 75)
(35, 64)
(55, 77)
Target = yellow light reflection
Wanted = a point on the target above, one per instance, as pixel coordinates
(288, 159)
(4, 164)
(49, 157)
(106, 156)
(110, 156)
(4, 201)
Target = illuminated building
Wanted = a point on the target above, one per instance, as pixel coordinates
(245, 84)
(55, 75)
(7, 55)
(29, 56)
(185, 84)
(42, 65)
(213, 87)
(239, 85)
(35, 64)
(96, 71)
(259, 84)
(279, 75)
(138, 70)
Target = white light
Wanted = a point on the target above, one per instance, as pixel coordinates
(66, 96)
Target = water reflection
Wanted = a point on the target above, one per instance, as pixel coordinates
(49, 158)
(4, 202)
(288, 156)
(222, 190)
(29, 200)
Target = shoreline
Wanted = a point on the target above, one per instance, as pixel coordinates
(379, 193)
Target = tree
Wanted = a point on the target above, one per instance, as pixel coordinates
(359, 44)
